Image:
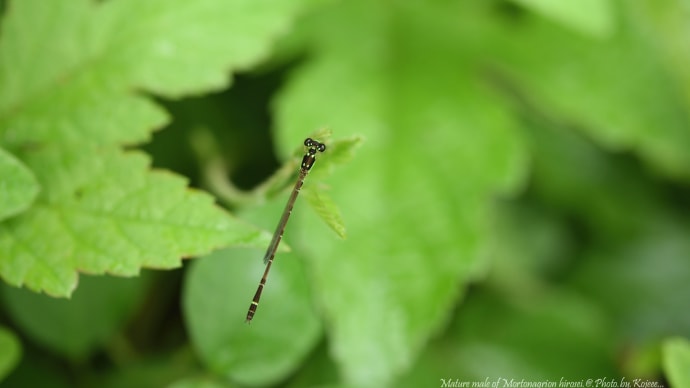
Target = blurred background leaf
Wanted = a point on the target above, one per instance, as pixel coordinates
(677, 361)
(74, 328)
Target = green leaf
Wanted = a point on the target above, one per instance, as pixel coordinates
(77, 326)
(71, 79)
(595, 85)
(18, 186)
(217, 294)
(66, 104)
(416, 197)
(593, 17)
(676, 359)
(63, 83)
(10, 352)
(109, 216)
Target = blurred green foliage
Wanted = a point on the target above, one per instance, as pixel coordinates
(511, 178)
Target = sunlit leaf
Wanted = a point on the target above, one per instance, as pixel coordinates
(67, 103)
(109, 216)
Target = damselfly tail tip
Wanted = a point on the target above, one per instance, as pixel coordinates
(250, 313)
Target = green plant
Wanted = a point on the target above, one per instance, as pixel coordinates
(533, 151)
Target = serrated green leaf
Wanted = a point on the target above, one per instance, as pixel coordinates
(416, 196)
(220, 34)
(66, 96)
(676, 359)
(18, 186)
(70, 79)
(77, 326)
(10, 352)
(109, 216)
(56, 85)
(218, 291)
(593, 17)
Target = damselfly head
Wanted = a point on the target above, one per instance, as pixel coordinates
(314, 146)
(310, 157)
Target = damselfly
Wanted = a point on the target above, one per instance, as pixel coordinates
(307, 162)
